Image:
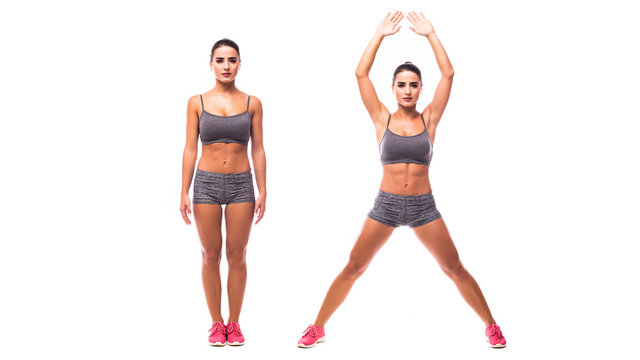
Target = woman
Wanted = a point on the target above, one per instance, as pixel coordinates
(225, 118)
(405, 140)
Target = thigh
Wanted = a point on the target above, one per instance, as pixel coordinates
(435, 237)
(373, 235)
(208, 219)
(238, 218)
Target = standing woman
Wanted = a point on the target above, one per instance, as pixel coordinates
(225, 118)
(405, 140)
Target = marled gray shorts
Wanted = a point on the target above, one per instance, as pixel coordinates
(396, 210)
(222, 188)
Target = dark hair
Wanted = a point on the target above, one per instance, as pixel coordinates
(225, 42)
(407, 66)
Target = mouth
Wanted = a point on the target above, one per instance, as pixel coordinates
(407, 99)
(226, 74)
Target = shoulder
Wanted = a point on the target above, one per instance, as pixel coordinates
(254, 100)
(254, 103)
(194, 102)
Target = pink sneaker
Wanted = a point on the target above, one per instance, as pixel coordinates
(494, 336)
(234, 335)
(217, 334)
(311, 336)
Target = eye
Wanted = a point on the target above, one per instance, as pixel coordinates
(219, 61)
(414, 85)
(400, 85)
(233, 61)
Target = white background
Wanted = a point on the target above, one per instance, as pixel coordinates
(534, 170)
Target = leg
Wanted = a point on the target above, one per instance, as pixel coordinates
(238, 218)
(208, 219)
(371, 239)
(435, 237)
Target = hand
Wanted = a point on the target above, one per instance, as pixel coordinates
(185, 207)
(259, 208)
(389, 25)
(421, 25)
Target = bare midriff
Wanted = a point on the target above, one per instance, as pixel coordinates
(405, 179)
(224, 158)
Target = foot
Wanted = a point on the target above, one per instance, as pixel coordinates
(217, 334)
(311, 336)
(234, 335)
(494, 336)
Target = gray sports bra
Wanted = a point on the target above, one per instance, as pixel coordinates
(396, 148)
(224, 129)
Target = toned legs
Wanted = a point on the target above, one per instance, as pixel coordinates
(371, 239)
(238, 219)
(435, 237)
(208, 219)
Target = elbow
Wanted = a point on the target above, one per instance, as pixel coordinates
(190, 151)
(361, 74)
(449, 74)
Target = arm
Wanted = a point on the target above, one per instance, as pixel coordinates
(258, 157)
(189, 156)
(422, 26)
(376, 109)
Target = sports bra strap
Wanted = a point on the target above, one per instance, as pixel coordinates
(248, 99)
(202, 102)
(388, 121)
(423, 123)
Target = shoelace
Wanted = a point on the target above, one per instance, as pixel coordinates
(231, 327)
(495, 330)
(217, 327)
(311, 330)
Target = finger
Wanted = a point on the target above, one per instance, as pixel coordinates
(400, 18)
(387, 17)
(424, 17)
(395, 15)
(184, 217)
(261, 215)
(395, 30)
(411, 17)
(414, 29)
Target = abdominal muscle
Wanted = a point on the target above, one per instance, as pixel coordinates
(224, 158)
(405, 179)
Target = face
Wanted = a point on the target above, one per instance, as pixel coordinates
(407, 88)
(225, 64)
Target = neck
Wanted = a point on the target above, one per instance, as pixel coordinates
(227, 87)
(406, 112)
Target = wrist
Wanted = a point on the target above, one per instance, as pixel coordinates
(429, 34)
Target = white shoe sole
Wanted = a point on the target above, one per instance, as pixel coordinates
(322, 339)
(218, 344)
(496, 345)
(235, 343)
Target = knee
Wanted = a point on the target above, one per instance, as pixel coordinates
(236, 257)
(211, 258)
(354, 269)
(455, 270)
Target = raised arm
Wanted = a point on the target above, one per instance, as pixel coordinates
(378, 112)
(189, 156)
(422, 26)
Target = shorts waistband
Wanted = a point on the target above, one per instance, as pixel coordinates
(223, 175)
(398, 196)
